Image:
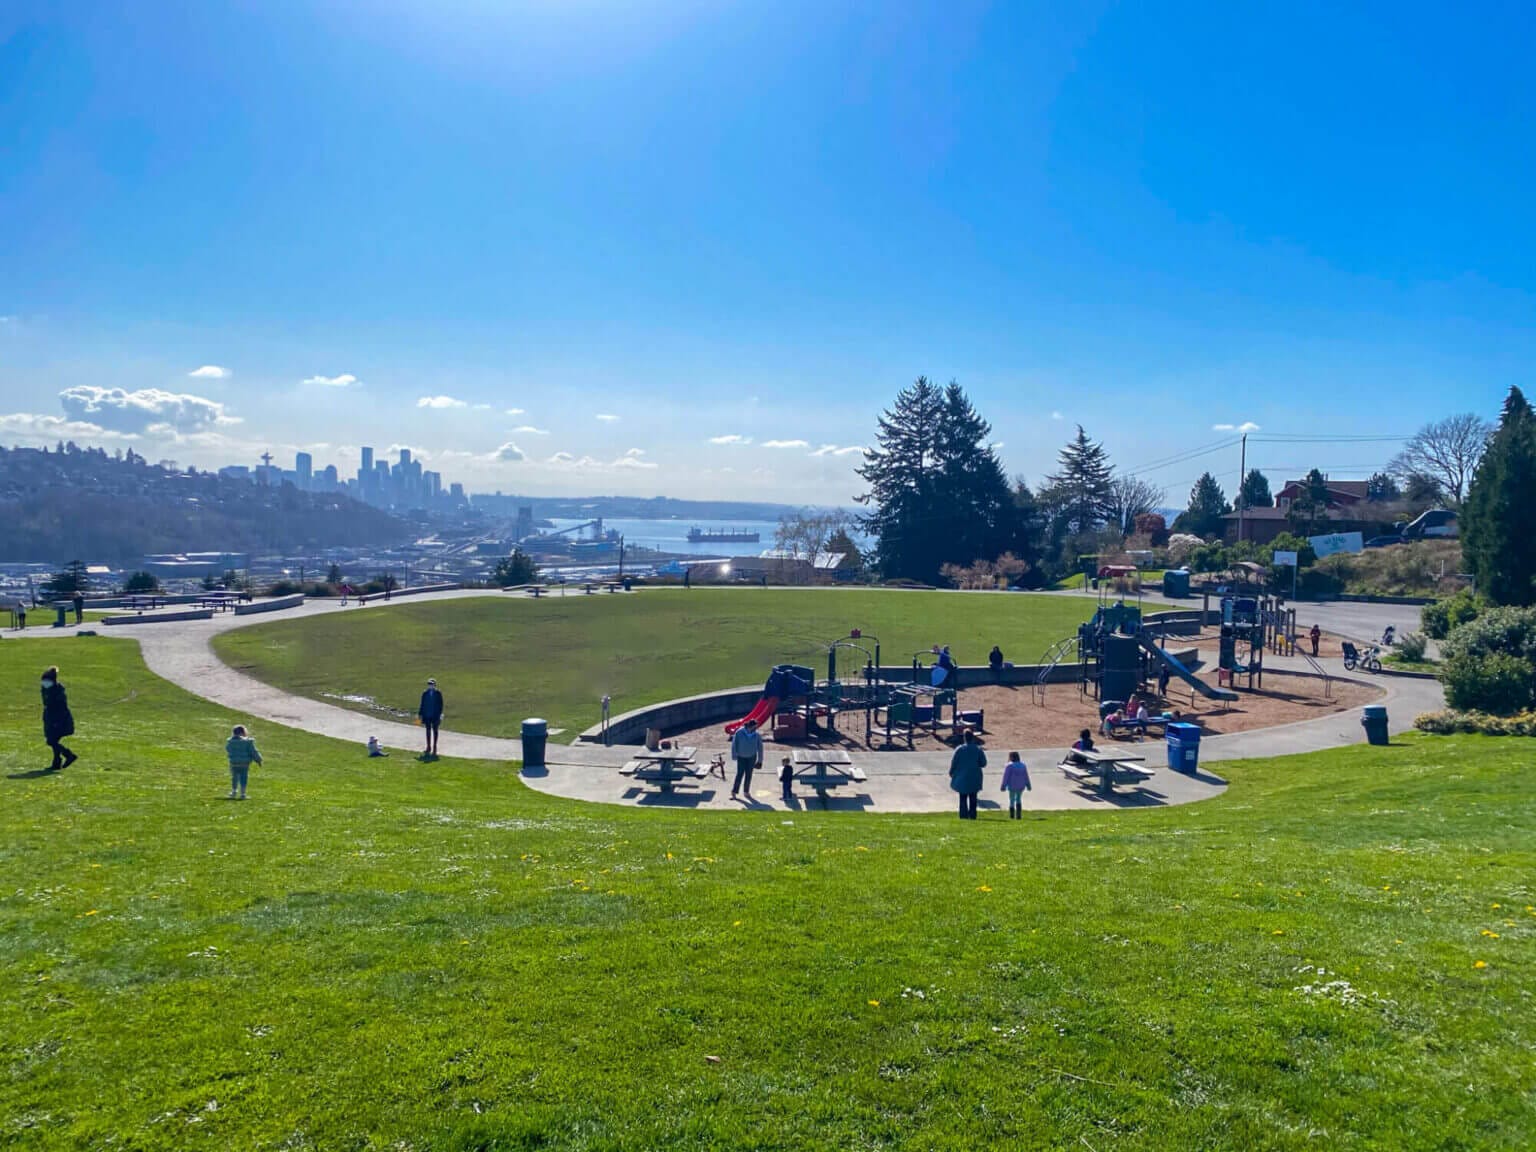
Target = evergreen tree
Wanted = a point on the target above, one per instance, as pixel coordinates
(1496, 540)
(1207, 505)
(515, 569)
(1255, 491)
(938, 494)
(72, 579)
(1382, 488)
(1310, 506)
(1079, 492)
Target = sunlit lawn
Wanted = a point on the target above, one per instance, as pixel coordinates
(1336, 953)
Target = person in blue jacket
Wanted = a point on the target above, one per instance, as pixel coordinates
(965, 774)
(431, 714)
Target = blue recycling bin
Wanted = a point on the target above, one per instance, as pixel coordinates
(535, 737)
(1373, 718)
(1183, 747)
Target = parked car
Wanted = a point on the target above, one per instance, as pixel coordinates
(1437, 523)
(1383, 541)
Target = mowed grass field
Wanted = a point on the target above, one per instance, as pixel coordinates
(500, 660)
(1335, 953)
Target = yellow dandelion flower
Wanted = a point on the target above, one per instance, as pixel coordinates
(874, 1003)
(735, 923)
(1490, 935)
(1480, 964)
(1278, 932)
(93, 912)
(1498, 905)
(860, 848)
(983, 888)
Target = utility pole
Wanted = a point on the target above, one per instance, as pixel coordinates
(1242, 476)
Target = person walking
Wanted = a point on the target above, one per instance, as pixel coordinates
(1315, 635)
(1162, 682)
(787, 779)
(58, 720)
(965, 774)
(21, 615)
(79, 608)
(242, 753)
(430, 712)
(1016, 783)
(747, 751)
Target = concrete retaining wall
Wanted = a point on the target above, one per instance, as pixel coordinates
(160, 617)
(399, 592)
(277, 604)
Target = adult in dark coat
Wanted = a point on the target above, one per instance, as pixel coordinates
(58, 721)
(79, 608)
(965, 774)
(431, 713)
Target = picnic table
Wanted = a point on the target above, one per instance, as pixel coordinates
(1140, 727)
(219, 601)
(1105, 768)
(663, 767)
(824, 769)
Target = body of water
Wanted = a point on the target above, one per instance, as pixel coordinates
(672, 535)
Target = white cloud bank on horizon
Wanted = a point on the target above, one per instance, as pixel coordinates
(730, 438)
(633, 459)
(530, 430)
(607, 418)
(35, 426)
(210, 372)
(509, 452)
(786, 444)
(1245, 426)
(441, 402)
(345, 380)
(146, 410)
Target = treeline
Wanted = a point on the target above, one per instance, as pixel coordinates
(81, 502)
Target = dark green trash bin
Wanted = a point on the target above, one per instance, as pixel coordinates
(535, 737)
(1373, 718)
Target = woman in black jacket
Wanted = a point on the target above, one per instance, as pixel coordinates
(58, 722)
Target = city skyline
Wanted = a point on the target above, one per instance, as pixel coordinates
(695, 250)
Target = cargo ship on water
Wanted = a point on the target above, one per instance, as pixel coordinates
(722, 536)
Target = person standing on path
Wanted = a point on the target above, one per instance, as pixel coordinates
(787, 779)
(430, 712)
(242, 753)
(58, 720)
(747, 751)
(965, 774)
(1315, 636)
(79, 609)
(1162, 682)
(21, 615)
(1016, 783)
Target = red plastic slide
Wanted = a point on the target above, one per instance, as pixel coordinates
(762, 712)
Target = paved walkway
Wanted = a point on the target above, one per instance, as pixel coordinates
(897, 782)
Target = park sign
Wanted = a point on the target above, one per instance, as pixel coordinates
(1283, 560)
(1337, 542)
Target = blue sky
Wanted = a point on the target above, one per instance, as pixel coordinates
(708, 221)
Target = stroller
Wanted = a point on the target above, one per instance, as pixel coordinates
(1369, 660)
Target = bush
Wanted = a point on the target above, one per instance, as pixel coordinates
(1496, 630)
(1313, 583)
(1412, 647)
(285, 588)
(1451, 722)
(1499, 683)
(1442, 616)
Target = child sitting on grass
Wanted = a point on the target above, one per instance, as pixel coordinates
(375, 748)
(242, 754)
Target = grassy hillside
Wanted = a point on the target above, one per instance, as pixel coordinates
(369, 954)
(501, 660)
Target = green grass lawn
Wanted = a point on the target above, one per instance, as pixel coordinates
(1393, 660)
(1336, 953)
(499, 660)
(44, 617)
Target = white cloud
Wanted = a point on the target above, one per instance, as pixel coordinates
(1057, 416)
(562, 458)
(440, 402)
(732, 438)
(515, 412)
(785, 444)
(530, 430)
(607, 417)
(1245, 426)
(120, 411)
(210, 372)
(833, 450)
(482, 407)
(345, 380)
(509, 452)
(996, 444)
(32, 426)
(634, 459)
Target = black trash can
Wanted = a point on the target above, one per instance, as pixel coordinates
(62, 619)
(535, 737)
(1183, 747)
(1373, 718)
(626, 583)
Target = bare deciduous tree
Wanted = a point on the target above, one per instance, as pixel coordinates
(1130, 497)
(1447, 451)
(805, 535)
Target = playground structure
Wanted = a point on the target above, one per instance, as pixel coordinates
(796, 706)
